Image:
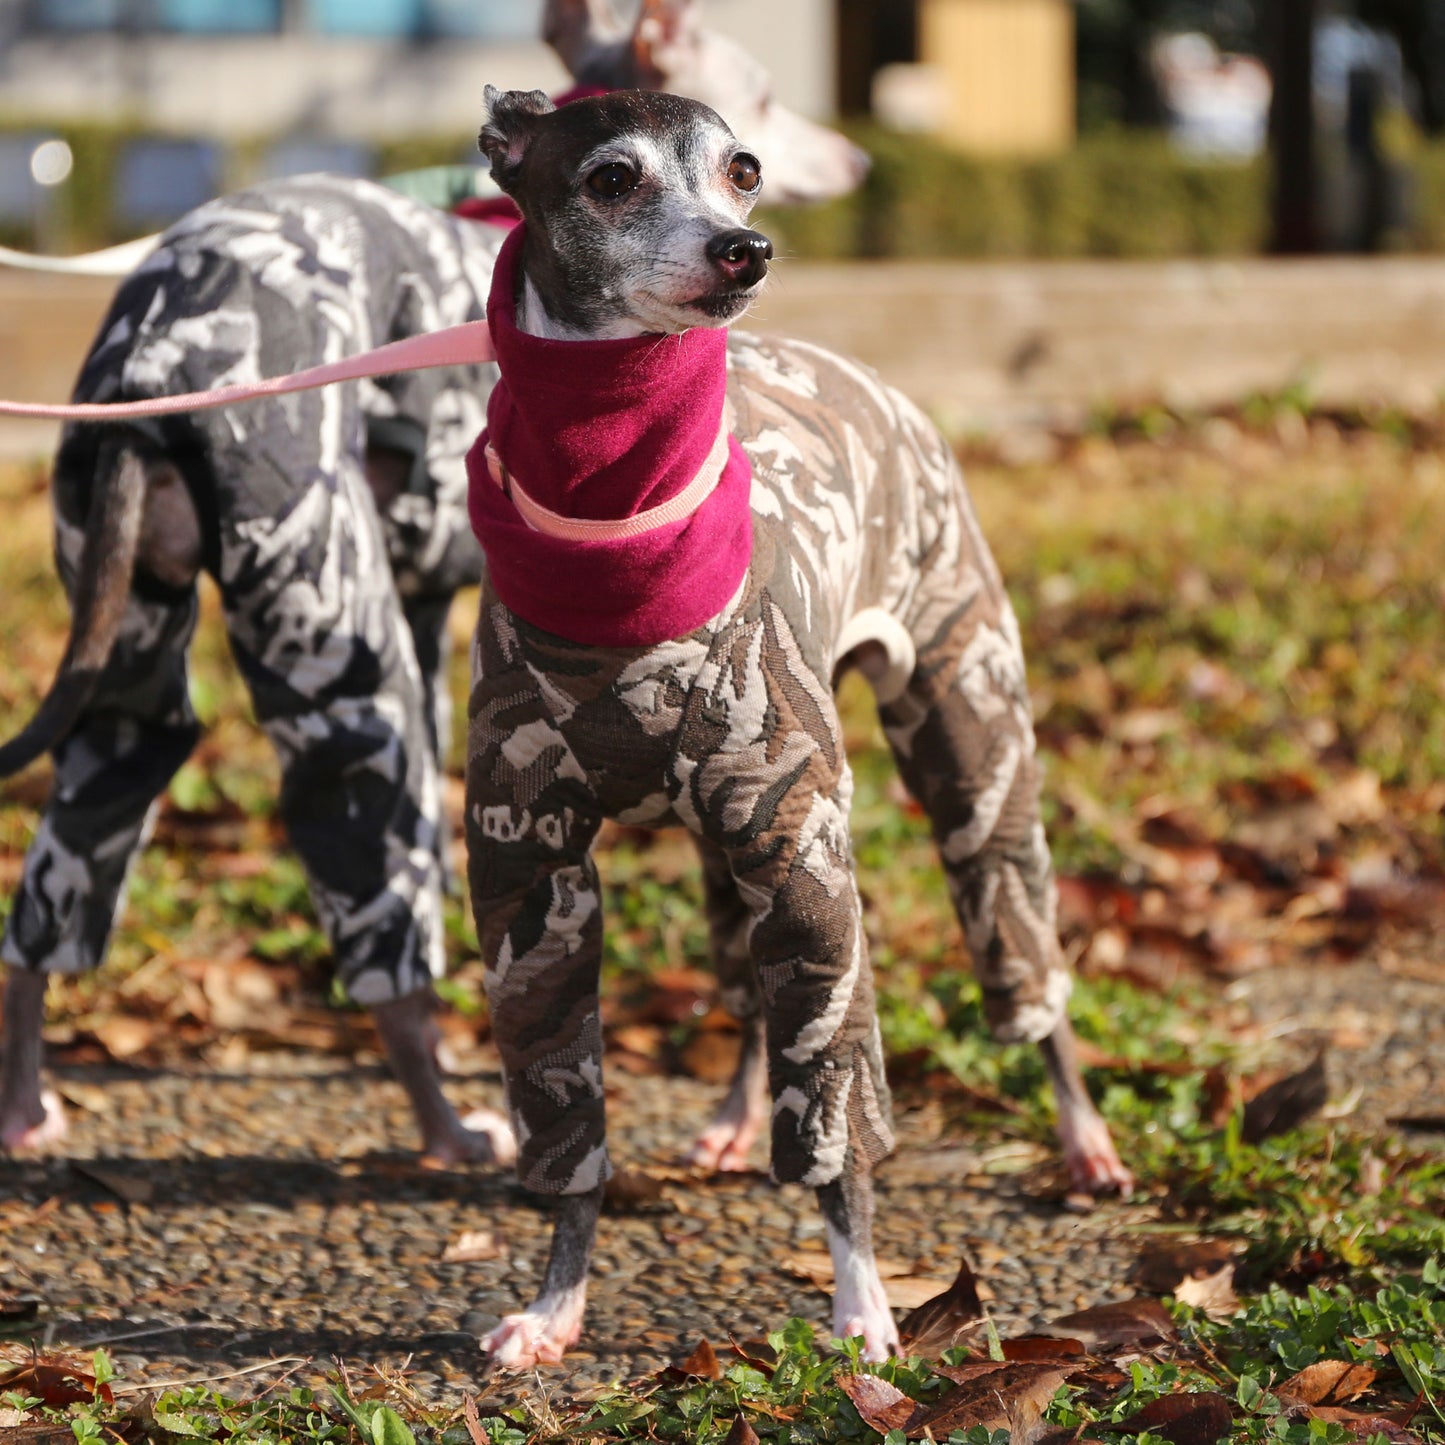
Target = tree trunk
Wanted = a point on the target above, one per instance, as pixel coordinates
(1295, 201)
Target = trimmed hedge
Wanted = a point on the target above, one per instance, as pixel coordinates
(1117, 194)
(1123, 194)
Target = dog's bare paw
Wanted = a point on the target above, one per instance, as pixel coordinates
(1093, 1162)
(880, 1339)
(482, 1137)
(49, 1130)
(864, 1313)
(723, 1147)
(534, 1337)
(492, 1133)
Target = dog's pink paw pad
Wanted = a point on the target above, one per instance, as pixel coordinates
(862, 1312)
(32, 1138)
(528, 1339)
(1094, 1164)
(723, 1147)
(880, 1339)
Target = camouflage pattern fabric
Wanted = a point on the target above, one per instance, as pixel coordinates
(336, 611)
(731, 731)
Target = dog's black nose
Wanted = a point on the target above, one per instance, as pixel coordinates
(741, 256)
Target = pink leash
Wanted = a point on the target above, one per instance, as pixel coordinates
(469, 344)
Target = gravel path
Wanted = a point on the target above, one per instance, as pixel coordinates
(1382, 1021)
(209, 1222)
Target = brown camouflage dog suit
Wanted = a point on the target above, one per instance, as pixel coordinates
(732, 731)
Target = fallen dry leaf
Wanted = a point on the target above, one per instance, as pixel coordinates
(630, 1190)
(701, 1364)
(474, 1423)
(1372, 1173)
(55, 1383)
(1365, 1427)
(757, 1353)
(997, 1399)
(1187, 1419)
(883, 1406)
(124, 1036)
(678, 996)
(471, 1246)
(712, 1056)
(1129, 1322)
(1162, 1268)
(90, 1097)
(239, 992)
(968, 1372)
(939, 1323)
(644, 1040)
(742, 1434)
(1212, 1293)
(1042, 1349)
(1329, 1382)
(1287, 1104)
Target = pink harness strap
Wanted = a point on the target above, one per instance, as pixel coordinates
(469, 344)
(580, 529)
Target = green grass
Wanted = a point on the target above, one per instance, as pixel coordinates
(1212, 613)
(787, 1390)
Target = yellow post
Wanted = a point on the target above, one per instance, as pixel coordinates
(1008, 69)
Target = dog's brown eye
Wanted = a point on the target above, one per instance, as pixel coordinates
(745, 172)
(613, 180)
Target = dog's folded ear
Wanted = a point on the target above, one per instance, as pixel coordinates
(666, 34)
(512, 117)
(577, 29)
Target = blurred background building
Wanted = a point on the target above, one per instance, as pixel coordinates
(116, 115)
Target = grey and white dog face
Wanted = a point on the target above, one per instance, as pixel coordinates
(636, 207)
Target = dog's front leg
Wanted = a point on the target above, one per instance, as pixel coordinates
(30, 1117)
(546, 1330)
(775, 804)
(860, 1306)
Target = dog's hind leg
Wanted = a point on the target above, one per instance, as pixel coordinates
(31, 1117)
(963, 738)
(410, 1037)
(136, 729)
(725, 1143)
(319, 633)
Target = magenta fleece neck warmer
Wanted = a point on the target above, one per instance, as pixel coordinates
(605, 430)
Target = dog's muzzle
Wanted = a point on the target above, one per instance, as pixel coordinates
(742, 256)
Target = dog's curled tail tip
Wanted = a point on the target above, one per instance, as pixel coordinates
(107, 564)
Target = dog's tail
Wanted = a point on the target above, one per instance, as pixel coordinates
(107, 563)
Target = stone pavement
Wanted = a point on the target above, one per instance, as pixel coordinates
(212, 1222)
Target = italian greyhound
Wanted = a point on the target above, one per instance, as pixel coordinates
(687, 536)
(337, 530)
